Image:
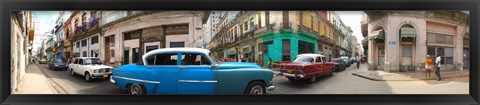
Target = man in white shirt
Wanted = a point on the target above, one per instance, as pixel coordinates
(437, 67)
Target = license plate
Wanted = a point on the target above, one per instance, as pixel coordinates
(289, 71)
(105, 75)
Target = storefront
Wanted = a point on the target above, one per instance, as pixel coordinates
(286, 45)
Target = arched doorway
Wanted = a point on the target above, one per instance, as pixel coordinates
(407, 35)
(378, 38)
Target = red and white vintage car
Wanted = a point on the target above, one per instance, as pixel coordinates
(307, 66)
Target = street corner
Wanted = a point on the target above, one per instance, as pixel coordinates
(367, 75)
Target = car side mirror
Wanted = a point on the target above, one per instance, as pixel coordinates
(213, 66)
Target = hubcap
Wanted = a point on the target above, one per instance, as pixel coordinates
(87, 77)
(313, 78)
(257, 89)
(135, 89)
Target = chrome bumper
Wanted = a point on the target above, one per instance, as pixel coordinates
(270, 88)
(293, 75)
(111, 80)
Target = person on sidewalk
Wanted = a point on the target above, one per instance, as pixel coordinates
(428, 66)
(437, 66)
(358, 62)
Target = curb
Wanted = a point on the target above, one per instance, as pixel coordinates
(54, 84)
(375, 79)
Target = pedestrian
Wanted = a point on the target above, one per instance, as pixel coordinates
(428, 67)
(358, 62)
(437, 66)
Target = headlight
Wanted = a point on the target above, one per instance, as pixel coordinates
(56, 65)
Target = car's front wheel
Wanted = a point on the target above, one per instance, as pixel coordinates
(71, 72)
(313, 78)
(88, 78)
(256, 87)
(136, 89)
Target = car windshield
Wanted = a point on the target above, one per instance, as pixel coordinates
(57, 61)
(90, 61)
(214, 59)
(303, 59)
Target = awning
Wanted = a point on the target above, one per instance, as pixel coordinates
(379, 34)
(408, 32)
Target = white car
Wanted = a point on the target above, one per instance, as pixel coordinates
(90, 68)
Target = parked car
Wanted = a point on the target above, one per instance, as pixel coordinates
(56, 64)
(90, 68)
(191, 71)
(307, 66)
(339, 64)
(346, 61)
(43, 61)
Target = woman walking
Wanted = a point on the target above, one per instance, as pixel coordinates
(428, 67)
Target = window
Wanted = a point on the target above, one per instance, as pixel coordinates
(446, 54)
(440, 38)
(162, 59)
(251, 23)
(286, 49)
(318, 59)
(84, 18)
(76, 61)
(407, 51)
(80, 61)
(112, 53)
(94, 39)
(259, 20)
(194, 59)
(311, 21)
(84, 43)
(84, 53)
(78, 45)
(177, 44)
(305, 47)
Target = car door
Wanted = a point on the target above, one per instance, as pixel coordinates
(78, 67)
(319, 66)
(161, 73)
(196, 75)
(73, 64)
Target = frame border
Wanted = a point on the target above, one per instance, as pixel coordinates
(348, 5)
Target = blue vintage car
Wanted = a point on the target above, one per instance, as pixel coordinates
(191, 71)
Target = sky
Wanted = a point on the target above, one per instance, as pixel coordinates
(353, 19)
(44, 21)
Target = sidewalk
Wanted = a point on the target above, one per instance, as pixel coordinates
(379, 75)
(35, 82)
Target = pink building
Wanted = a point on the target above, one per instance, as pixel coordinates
(401, 40)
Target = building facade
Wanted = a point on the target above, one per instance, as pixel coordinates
(401, 40)
(123, 32)
(21, 34)
(264, 36)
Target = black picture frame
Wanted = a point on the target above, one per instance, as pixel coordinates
(11, 5)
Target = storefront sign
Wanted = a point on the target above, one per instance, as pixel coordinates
(392, 42)
(231, 51)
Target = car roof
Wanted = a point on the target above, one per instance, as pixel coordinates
(183, 49)
(311, 55)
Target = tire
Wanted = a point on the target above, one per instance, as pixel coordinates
(87, 76)
(71, 72)
(291, 78)
(136, 89)
(313, 79)
(256, 87)
(330, 74)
